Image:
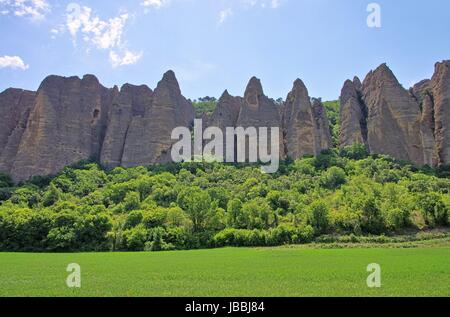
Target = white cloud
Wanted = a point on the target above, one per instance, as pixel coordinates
(33, 9)
(273, 4)
(224, 15)
(127, 58)
(157, 4)
(103, 34)
(100, 34)
(14, 62)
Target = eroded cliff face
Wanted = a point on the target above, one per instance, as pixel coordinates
(440, 98)
(227, 111)
(353, 115)
(298, 122)
(130, 104)
(15, 107)
(149, 136)
(391, 108)
(407, 125)
(305, 123)
(260, 111)
(324, 139)
(255, 109)
(65, 125)
(71, 119)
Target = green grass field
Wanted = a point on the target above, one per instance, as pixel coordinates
(296, 271)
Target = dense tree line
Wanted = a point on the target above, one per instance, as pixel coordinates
(197, 205)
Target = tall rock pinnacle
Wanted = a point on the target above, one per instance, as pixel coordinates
(353, 116)
(306, 127)
(148, 138)
(259, 111)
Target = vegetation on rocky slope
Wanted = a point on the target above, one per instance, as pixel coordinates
(196, 205)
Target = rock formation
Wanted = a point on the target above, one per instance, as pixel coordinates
(260, 111)
(131, 102)
(353, 114)
(15, 106)
(412, 126)
(227, 111)
(391, 108)
(324, 139)
(149, 135)
(226, 116)
(66, 125)
(71, 119)
(440, 98)
(306, 126)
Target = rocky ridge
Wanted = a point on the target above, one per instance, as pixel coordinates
(71, 119)
(407, 125)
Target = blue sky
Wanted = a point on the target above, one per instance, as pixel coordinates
(214, 45)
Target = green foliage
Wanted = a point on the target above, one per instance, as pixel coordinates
(355, 152)
(51, 196)
(334, 177)
(332, 109)
(257, 238)
(5, 181)
(199, 205)
(318, 217)
(434, 210)
(205, 105)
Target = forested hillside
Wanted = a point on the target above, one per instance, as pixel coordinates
(187, 206)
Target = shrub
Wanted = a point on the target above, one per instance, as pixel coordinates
(318, 217)
(334, 178)
(355, 152)
(132, 201)
(133, 219)
(5, 181)
(346, 220)
(135, 238)
(434, 211)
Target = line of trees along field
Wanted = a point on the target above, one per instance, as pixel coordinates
(196, 205)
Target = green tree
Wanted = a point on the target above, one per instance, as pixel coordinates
(318, 217)
(132, 201)
(197, 204)
(334, 178)
(433, 209)
(51, 196)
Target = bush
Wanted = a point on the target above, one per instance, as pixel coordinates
(273, 237)
(434, 211)
(318, 217)
(346, 220)
(5, 181)
(355, 152)
(156, 241)
(334, 178)
(135, 238)
(132, 201)
(372, 221)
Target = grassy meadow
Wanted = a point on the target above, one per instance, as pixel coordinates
(252, 272)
